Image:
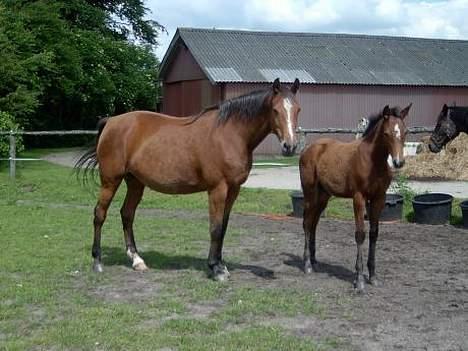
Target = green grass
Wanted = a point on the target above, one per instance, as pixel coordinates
(50, 299)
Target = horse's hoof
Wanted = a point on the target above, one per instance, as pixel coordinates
(97, 267)
(307, 268)
(220, 273)
(140, 267)
(359, 286)
(375, 282)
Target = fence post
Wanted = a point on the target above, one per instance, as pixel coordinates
(12, 155)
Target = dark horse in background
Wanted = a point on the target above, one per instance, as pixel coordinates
(209, 152)
(451, 122)
(357, 170)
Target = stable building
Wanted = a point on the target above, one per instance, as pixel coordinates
(343, 77)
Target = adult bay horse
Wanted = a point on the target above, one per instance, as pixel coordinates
(209, 152)
(451, 121)
(356, 170)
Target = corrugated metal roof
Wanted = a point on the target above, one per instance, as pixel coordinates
(249, 56)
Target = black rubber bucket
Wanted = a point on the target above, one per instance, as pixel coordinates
(432, 208)
(297, 199)
(393, 210)
(464, 208)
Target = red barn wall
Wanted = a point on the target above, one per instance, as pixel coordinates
(186, 89)
(342, 106)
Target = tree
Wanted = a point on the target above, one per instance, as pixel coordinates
(65, 63)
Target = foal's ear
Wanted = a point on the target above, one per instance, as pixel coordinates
(386, 112)
(444, 108)
(276, 86)
(405, 111)
(295, 86)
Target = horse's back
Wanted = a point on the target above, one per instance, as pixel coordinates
(328, 162)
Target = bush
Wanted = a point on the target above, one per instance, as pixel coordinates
(7, 123)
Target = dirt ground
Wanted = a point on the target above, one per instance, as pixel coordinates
(422, 303)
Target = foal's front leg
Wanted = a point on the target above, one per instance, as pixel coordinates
(221, 200)
(376, 207)
(359, 206)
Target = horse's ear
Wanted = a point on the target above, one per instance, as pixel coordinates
(386, 112)
(444, 108)
(276, 86)
(295, 86)
(405, 111)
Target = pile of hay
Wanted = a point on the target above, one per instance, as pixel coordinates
(450, 163)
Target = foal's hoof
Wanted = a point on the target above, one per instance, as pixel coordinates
(359, 286)
(97, 267)
(375, 282)
(220, 273)
(310, 267)
(140, 267)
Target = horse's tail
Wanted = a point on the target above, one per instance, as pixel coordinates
(87, 163)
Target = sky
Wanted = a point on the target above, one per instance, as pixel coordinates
(430, 19)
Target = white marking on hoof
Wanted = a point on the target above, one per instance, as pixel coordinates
(140, 267)
(137, 262)
(97, 267)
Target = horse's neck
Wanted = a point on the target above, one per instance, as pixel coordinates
(252, 132)
(461, 121)
(375, 151)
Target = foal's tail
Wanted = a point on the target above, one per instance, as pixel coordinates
(87, 163)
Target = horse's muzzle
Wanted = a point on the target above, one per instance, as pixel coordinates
(288, 150)
(398, 163)
(433, 147)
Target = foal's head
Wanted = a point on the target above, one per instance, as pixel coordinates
(283, 115)
(394, 132)
(391, 129)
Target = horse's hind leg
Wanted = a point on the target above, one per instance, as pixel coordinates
(108, 189)
(134, 194)
(376, 207)
(314, 204)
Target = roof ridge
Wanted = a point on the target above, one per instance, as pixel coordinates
(316, 34)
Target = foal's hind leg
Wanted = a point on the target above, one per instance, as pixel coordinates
(314, 204)
(108, 189)
(359, 206)
(376, 207)
(134, 194)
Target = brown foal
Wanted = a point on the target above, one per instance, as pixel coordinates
(209, 152)
(356, 170)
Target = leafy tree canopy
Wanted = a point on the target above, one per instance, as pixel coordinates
(65, 63)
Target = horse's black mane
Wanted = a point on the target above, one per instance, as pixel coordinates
(245, 107)
(375, 119)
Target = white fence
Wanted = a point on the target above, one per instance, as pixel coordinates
(302, 132)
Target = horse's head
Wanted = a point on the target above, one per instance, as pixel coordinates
(394, 132)
(445, 130)
(283, 116)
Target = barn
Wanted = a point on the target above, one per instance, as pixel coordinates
(343, 77)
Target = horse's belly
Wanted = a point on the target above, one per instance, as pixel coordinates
(170, 178)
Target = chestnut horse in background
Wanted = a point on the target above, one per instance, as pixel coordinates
(209, 152)
(357, 170)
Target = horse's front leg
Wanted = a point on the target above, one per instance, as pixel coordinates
(359, 207)
(221, 200)
(376, 207)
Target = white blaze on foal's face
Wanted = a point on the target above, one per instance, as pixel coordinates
(397, 131)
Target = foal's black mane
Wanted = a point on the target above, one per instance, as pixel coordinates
(375, 119)
(245, 107)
